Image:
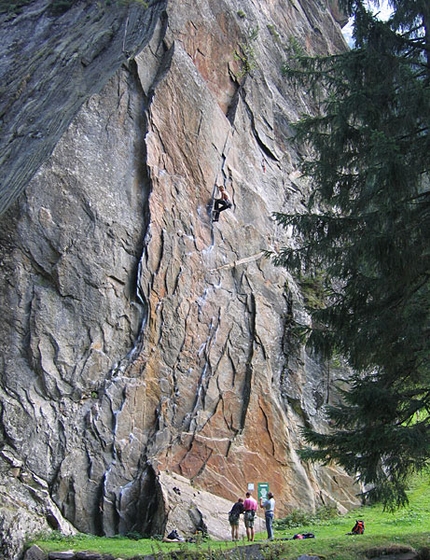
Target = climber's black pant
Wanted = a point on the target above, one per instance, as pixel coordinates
(219, 206)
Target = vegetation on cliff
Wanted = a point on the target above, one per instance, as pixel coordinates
(365, 239)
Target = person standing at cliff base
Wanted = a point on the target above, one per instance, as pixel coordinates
(233, 519)
(269, 510)
(250, 507)
(221, 203)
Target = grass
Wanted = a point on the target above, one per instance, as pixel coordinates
(384, 532)
(122, 547)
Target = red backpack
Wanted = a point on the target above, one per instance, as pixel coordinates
(358, 528)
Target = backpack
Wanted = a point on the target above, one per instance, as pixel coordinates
(304, 536)
(358, 528)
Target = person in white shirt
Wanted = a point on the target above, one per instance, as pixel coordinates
(269, 510)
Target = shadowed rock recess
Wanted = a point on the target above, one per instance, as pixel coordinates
(149, 370)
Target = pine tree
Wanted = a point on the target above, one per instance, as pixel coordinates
(366, 235)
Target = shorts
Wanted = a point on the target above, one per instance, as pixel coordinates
(233, 520)
(249, 517)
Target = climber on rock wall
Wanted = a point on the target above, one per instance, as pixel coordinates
(221, 203)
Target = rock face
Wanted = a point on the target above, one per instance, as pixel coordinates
(54, 55)
(141, 341)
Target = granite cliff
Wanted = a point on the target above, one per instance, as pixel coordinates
(149, 369)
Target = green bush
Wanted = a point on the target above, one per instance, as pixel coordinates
(300, 518)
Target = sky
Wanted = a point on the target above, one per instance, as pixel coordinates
(384, 12)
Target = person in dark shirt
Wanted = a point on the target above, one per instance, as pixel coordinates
(233, 519)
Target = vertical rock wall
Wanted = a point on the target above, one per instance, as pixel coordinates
(228, 384)
(139, 338)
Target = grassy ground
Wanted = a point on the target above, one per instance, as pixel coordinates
(384, 532)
